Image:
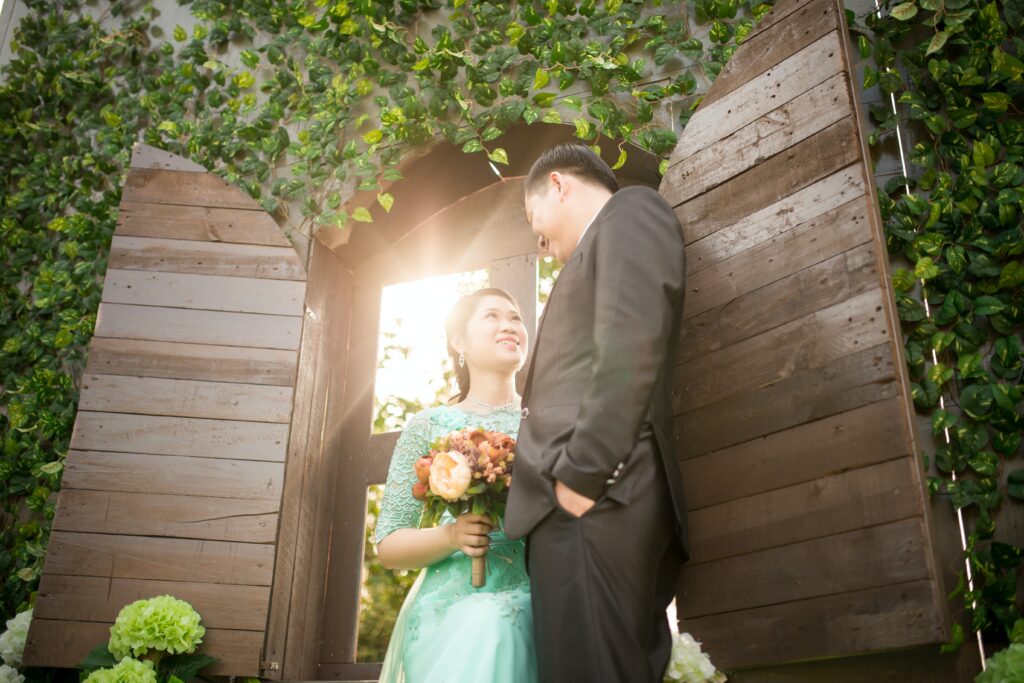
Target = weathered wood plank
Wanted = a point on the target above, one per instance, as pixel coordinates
(770, 181)
(68, 642)
(205, 292)
(863, 497)
(165, 559)
(147, 156)
(354, 418)
(200, 327)
(211, 224)
(188, 188)
(185, 398)
(175, 360)
(95, 598)
(805, 245)
(175, 474)
(856, 560)
(794, 75)
(861, 378)
(161, 435)
(205, 258)
(798, 209)
(822, 448)
(878, 618)
(771, 41)
(764, 137)
(174, 516)
(839, 278)
(807, 343)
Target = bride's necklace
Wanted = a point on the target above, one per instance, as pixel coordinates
(493, 407)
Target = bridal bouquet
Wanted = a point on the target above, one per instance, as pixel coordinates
(468, 470)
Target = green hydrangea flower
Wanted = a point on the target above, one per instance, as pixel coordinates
(162, 623)
(128, 670)
(1005, 666)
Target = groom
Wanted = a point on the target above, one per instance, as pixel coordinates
(596, 488)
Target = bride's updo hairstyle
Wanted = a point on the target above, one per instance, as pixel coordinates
(456, 322)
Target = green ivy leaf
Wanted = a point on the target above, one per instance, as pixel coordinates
(621, 161)
(937, 41)
(498, 156)
(386, 201)
(904, 11)
(179, 34)
(540, 79)
(976, 401)
(926, 268)
(987, 305)
(362, 214)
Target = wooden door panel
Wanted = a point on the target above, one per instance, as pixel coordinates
(809, 519)
(175, 477)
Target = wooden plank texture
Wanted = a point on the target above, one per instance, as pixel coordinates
(836, 279)
(874, 556)
(198, 327)
(810, 451)
(211, 224)
(156, 186)
(899, 615)
(791, 77)
(166, 559)
(205, 258)
(177, 360)
(161, 435)
(845, 501)
(174, 474)
(94, 598)
(185, 398)
(68, 642)
(775, 131)
(167, 515)
(206, 292)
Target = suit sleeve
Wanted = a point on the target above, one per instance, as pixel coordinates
(639, 276)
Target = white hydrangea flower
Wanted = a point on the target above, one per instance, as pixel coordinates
(10, 675)
(688, 664)
(12, 641)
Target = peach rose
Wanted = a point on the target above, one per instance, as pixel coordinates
(419, 491)
(450, 475)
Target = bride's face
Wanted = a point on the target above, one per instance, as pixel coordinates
(495, 336)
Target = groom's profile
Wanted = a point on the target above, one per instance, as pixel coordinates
(596, 490)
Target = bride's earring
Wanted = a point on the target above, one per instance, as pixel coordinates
(462, 360)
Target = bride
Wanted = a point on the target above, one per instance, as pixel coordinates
(447, 631)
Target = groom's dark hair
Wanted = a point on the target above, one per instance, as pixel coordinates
(575, 159)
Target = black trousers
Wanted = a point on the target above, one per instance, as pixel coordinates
(601, 583)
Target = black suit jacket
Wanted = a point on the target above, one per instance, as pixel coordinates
(600, 373)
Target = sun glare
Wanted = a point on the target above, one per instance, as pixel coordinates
(412, 355)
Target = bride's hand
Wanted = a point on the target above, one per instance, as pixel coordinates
(469, 534)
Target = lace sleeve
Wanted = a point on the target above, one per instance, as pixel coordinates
(398, 509)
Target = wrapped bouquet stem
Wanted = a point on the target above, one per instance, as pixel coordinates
(469, 470)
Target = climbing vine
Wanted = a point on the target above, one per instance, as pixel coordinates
(955, 70)
(303, 104)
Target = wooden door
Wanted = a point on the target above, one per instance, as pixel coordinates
(175, 474)
(809, 517)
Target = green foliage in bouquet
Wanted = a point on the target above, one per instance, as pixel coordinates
(955, 69)
(163, 632)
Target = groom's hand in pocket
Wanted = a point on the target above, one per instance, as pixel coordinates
(576, 504)
(469, 534)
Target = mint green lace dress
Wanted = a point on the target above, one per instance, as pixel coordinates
(447, 631)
